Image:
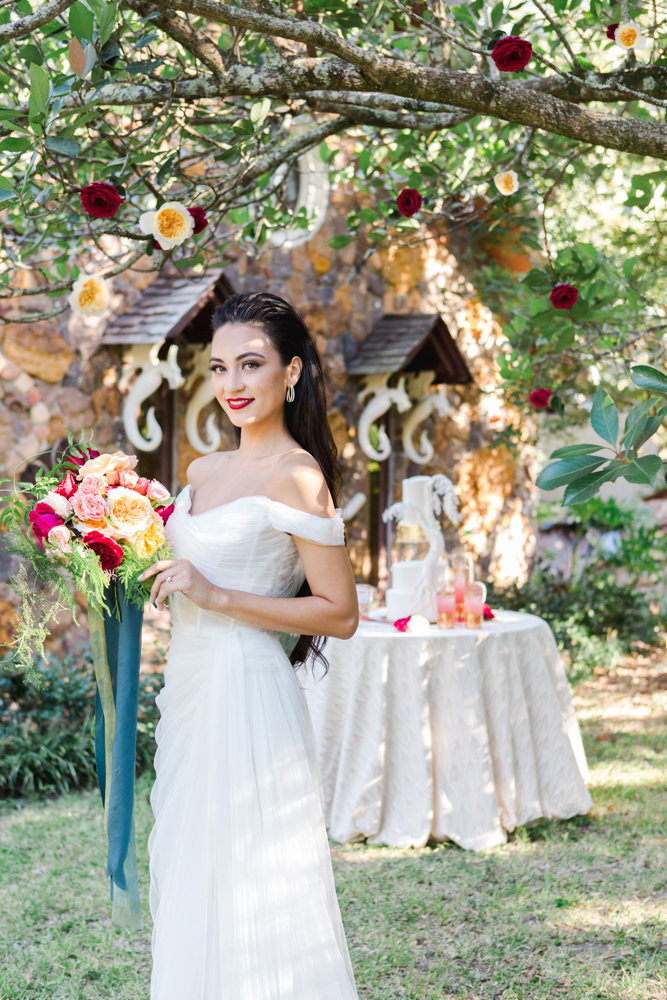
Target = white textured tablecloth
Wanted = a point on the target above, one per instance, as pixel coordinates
(456, 733)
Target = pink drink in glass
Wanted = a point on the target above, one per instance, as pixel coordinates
(461, 577)
(474, 605)
(446, 609)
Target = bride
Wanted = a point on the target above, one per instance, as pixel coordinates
(242, 892)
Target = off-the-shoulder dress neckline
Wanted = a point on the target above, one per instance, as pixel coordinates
(255, 496)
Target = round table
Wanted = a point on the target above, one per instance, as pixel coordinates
(454, 733)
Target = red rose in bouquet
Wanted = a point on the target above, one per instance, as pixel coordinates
(42, 519)
(165, 512)
(66, 487)
(110, 553)
(100, 200)
(540, 398)
(563, 296)
(199, 218)
(512, 54)
(409, 202)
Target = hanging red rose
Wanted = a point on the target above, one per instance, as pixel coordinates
(100, 200)
(563, 296)
(409, 202)
(200, 220)
(540, 398)
(611, 31)
(110, 552)
(512, 54)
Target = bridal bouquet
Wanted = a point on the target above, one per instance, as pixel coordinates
(87, 523)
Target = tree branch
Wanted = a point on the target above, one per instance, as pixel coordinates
(25, 25)
(185, 34)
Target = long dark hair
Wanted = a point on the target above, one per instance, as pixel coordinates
(306, 417)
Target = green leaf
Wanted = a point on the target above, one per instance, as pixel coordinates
(7, 195)
(6, 114)
(538, 281)
(62, 146)
(259, 111)
(497, 13)
(566, 471)
(636, 420)
(628, 268)
(338, 242)
(81, 21)
(198, 258)
(646, 377)
(31, 54)
(143, 67)
(107, 23)
(587, 251)
(604, 417)
(167, 168)
(557, 405)
(15, 144)
(643, 470)
(368, 215)
(39, 85)
(586, 488)
(575, 450)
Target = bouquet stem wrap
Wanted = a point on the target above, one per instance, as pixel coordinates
(116, 648)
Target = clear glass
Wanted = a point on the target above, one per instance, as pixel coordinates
(365, 596)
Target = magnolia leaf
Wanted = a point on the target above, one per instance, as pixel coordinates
(575, 450)
(6, 194)
(643, 470)
(604, 417)
(61, 146)
(81, 21)
(107, 23)
(15, 144)
(649, 378)
(31, 54)
(566, 471)
(338, 242)
(198, 258)
(259, 111)
(76, 57)
(39, 85)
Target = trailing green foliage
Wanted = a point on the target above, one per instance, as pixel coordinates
(47, 730)
(582, 470)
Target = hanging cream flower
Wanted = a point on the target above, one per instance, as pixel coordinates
(90, 295)
(507, 182)
(629, 36)
(170, 225)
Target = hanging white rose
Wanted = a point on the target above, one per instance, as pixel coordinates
(170, 225)
(507, 182)
(89, 295)
(629, 36)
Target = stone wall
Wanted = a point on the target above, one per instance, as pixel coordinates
(56, 375)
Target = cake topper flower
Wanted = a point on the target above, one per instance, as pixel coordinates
(171, 224)
(507, 182)
(89, 295)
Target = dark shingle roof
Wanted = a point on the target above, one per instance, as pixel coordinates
(164, 309)
(411, 343)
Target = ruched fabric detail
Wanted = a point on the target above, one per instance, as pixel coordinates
(242, 891)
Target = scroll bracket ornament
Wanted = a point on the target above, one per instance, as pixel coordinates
(202, 396)
(313, 189)
(382, 399)
(143, 358)
(427, 403)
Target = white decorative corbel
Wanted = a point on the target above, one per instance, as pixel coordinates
(426, 403)
(143, 358)
(313, 193)
(383, 399)
(201, 398)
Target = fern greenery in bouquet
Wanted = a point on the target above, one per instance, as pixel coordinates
(82, 526)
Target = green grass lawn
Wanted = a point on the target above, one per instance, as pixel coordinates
(566, 909)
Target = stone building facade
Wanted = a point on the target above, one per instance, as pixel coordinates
(65, 374)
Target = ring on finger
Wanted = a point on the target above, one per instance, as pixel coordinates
(169, 580)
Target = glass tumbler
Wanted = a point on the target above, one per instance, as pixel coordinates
(446, 608)
(365, 597)
(474, 605)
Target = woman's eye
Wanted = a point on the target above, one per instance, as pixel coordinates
(253, 365)
(216, 369)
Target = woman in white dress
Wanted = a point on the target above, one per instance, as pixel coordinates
(242, 892)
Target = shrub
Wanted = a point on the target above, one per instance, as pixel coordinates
(47, 732)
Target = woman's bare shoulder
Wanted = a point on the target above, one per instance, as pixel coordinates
(298, 481)
(201, 469)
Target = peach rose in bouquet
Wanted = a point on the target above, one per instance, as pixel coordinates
(104, 464)
(129, 511)
(149, 541)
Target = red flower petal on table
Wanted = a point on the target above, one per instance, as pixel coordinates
(67, 486)
(42, 519)
(165, 512)
(563, 296)
(409, 202)
(100, 200)
(110, 553)
(200, 220)
(402, 624)
(540, 398)
(512, 54)
(611, 31)
(488, 613)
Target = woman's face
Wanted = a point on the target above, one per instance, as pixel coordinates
(248, 379)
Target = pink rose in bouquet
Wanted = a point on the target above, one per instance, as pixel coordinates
(66, 487)
(42, 519)
(91, 484)
(127, 478)
(60, 537)
(141, 485)
(156, 491)
(88, 507)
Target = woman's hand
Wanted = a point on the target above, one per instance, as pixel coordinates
(173, 575)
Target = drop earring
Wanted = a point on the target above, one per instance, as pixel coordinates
(290, 394)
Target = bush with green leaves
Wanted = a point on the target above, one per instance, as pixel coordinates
(47, 730)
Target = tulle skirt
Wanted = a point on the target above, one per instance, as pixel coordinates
(242, 891)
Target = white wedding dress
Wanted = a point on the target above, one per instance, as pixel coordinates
(242, 891)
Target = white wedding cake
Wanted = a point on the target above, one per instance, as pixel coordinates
(412, 590)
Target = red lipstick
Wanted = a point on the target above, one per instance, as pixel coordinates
(238, 404)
